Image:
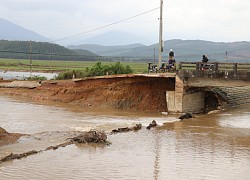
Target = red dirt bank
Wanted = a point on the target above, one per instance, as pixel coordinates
(8, 138)
(136, 93)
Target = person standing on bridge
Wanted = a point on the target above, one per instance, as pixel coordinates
(204, 62)
(171, 54)
(204, 59)
(171, 60)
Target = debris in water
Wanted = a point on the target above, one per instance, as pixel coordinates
(185, 116)
(152, 124)
(12, 156)
(90, 137)
(126, 129)
(85, 137)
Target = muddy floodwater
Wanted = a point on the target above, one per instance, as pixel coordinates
(214, 146)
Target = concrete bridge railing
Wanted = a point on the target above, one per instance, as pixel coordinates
(195, 80)
(214, 70)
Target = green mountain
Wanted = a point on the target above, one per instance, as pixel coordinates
(107, 50)
(217, 51)
(185, 50)
(42, 51)
(84, 52)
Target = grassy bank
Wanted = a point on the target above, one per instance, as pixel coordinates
(59, 66)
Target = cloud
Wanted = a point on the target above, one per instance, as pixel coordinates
(216, 20)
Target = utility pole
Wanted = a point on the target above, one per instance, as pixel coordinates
(160, 36)
(30, 59)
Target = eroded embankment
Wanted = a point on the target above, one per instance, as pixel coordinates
(137, 93)
(8, 138)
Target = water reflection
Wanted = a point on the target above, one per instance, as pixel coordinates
(27, 118)
(7, 75)
(215, 146)
(157, 153)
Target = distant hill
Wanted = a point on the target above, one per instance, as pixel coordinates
(42, 51)
(185, 50)
(84, 52)
(111, 38)
(193, 50)
(107, 50)
(11, 31)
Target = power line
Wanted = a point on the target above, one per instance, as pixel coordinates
(47, 54)
(100, 56)
(101, 27)
(63, 55)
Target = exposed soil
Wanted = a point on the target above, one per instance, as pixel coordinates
(8, 138)
(137, 93)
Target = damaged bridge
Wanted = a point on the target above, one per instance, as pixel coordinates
(198, 90)
(190, 89)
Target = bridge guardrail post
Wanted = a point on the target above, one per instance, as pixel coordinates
(232, 70)
(216, 67)
(197, 66)
(235, 68)
(180, 65)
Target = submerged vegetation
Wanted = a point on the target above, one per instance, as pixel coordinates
(37, 78)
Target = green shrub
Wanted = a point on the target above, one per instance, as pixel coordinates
(70, 74)
(118, 68)
(97, 70)
(100, 70)
(35, 78)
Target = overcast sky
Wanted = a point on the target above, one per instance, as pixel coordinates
(213, 20)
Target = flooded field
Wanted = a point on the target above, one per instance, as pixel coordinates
(215, 146)
(7, 75)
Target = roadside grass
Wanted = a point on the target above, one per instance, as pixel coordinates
(60, 66)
